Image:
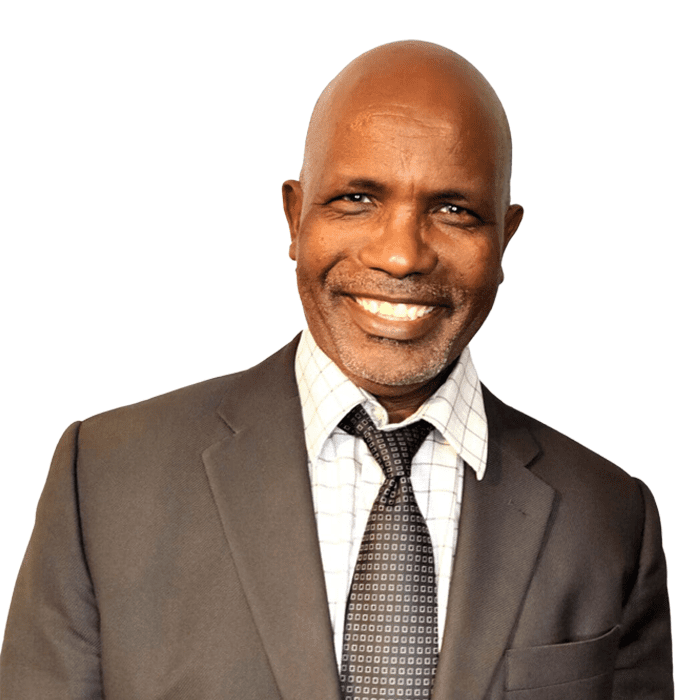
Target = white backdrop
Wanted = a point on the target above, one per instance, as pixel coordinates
(142, 149)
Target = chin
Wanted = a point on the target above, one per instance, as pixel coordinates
(393, 363)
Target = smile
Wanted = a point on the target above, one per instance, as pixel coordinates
(389, 310)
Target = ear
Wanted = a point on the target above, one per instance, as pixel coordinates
(514, 216)
(292, 200)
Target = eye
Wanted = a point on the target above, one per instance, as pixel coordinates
(453, 214)
(356, 198)
(351, 203)
(452, 209)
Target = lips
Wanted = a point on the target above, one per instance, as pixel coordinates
(400, 311)
(393, 320)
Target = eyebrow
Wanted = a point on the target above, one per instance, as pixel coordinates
(451, 194)
(373, 186)
(365, 184)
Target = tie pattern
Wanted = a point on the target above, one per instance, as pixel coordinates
(390, 645)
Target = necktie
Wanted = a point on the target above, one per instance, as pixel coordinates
(390, 645)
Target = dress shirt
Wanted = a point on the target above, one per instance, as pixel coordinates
(345, 478)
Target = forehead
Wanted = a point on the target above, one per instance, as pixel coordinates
(404, 120)
(403, 140)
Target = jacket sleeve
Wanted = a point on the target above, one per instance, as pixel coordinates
(644, 665)
(52, 641)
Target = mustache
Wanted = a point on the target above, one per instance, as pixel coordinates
(377, 284)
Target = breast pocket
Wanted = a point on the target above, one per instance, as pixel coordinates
(578, 670)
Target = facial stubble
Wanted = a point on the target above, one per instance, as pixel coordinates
(387, 361)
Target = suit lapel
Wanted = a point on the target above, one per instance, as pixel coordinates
(503, 524)
(259, 478)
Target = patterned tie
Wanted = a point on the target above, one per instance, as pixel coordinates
(390, 645)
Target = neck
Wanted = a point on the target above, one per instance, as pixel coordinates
(402, 402)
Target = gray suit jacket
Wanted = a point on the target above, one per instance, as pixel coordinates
(175, 555)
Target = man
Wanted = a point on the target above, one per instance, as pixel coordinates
(231, 539)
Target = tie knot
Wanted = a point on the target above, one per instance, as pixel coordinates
(393, 449)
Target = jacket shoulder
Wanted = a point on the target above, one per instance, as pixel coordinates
(591, 489)
(187, 417)
(557, 453)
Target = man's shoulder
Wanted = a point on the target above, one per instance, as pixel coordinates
(563, 463)
(186, 402)
(195, 408)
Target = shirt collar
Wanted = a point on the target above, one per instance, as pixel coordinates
(456, 409)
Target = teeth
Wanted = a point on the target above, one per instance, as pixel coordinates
(398, 311)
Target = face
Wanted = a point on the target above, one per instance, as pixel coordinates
(398, 233)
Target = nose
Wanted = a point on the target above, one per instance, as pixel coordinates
(398, 247)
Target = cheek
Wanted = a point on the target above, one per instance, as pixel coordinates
(317, 255)
(316, 245)
(311, 251)
(474, 265)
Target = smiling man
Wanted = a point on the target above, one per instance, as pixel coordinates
(357, 517)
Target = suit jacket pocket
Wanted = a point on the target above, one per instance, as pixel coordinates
(576, 670)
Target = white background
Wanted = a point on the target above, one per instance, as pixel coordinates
(142, 149)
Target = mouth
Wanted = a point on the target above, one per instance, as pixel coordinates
(394, 320)
(400, 311)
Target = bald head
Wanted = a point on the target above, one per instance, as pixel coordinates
(428, 82)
